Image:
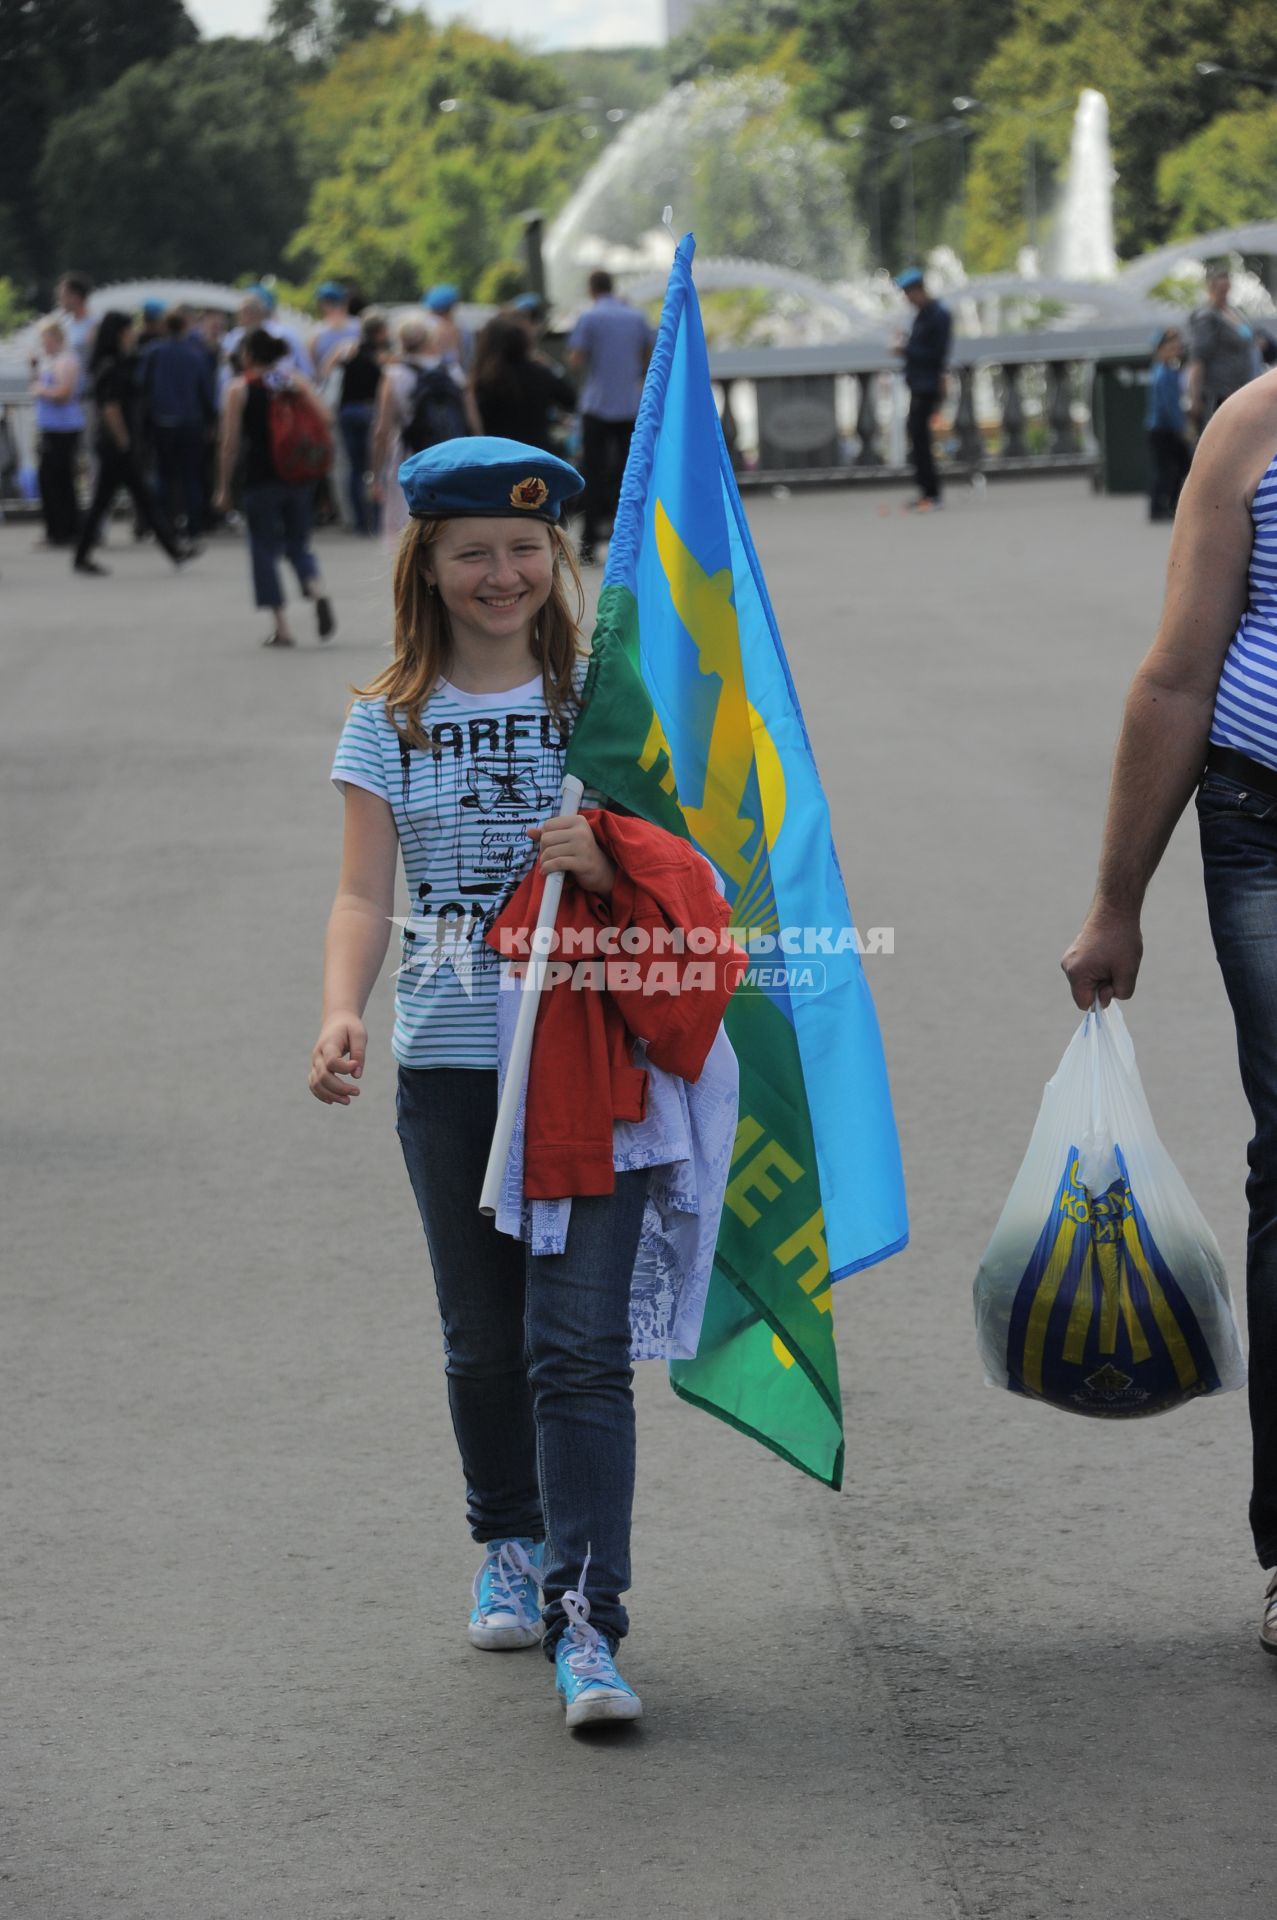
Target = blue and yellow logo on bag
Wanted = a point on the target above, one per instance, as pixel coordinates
(1099, 1325)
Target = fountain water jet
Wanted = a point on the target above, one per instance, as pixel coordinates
(738, 167)
(1083, 241)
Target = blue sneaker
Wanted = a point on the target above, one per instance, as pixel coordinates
(585, 1674)
(507, 1611)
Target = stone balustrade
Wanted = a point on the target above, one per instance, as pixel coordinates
(1014, 404)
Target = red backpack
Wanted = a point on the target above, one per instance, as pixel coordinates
(301, 441)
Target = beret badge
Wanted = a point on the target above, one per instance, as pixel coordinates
(530, 493)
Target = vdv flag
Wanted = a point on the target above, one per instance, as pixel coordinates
(691, 720)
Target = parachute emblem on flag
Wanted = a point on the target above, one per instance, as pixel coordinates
(743, 803)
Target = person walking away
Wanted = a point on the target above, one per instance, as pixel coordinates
(178, 380)
(423, 399)
(449, 338)
(518, 395)
(1222, 356)
(57, 381)
(113, 372)
(360, 374)
(276, 510)
(257, 310)
(150, 333)
(609, 348)
(1169, 453)
(208, 334)
(78, 324)
(1201, 714)
(338, 329)
(925, 351)
(537, 1347)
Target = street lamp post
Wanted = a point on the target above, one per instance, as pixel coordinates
(1207, 68)
(901, 123)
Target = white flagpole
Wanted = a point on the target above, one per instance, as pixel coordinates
(529, 1000)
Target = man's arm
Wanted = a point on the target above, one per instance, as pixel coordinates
(1166, 722)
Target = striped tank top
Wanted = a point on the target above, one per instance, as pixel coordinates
(1246, 699)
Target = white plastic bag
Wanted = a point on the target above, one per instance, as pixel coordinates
(1102, 1290)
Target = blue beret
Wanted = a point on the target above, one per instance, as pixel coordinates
(439, 299)
(330, 290)
(911, 277)
(529, 303)
(264, 294)
(485, 478)
(152, 309)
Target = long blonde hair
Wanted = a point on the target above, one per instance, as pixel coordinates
(423, 636)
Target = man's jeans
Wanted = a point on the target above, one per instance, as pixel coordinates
(1239, 854)
(537, 1350)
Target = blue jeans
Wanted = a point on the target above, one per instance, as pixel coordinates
(278, 519)
(355, 422)
(537, 1350)
(1239, 854)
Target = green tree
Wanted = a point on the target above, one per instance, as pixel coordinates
(55, 56)
(426, 145)
(186, 166)
(319, 29)
(1223, 177)
(1142, 54)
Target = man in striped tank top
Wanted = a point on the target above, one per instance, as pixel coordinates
(1202, 713)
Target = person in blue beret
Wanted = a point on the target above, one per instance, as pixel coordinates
(925, 351)
(337, 329)
(448, 338)
(452, 760)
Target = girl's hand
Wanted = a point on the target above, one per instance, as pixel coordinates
(340, 1048)
(568, 846)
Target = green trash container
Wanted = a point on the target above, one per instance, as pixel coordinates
(1119, 394)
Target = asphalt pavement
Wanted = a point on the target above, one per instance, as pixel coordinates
(1011, 1672)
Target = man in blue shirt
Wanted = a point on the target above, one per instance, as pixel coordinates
(609, 349)
(925, 352)
(178, 380)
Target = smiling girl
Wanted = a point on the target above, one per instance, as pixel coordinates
(454, 758)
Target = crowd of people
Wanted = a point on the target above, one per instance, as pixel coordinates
(173, 407)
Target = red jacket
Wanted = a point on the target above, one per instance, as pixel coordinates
(582, 1075)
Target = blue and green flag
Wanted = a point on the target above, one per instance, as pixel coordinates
(690, 719)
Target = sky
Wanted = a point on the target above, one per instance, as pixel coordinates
(551, 23)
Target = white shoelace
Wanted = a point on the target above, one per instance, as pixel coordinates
(591, 1658)
(507, 1568)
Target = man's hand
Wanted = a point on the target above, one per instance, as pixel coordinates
(1104, 960)
(568, 846)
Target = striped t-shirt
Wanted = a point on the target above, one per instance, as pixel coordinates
(1246, 698)
(463, 816)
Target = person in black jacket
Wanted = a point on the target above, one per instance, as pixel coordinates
(516, 391)
(113, 371)
(925, 352)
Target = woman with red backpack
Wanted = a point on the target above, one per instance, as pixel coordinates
(282, 429)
